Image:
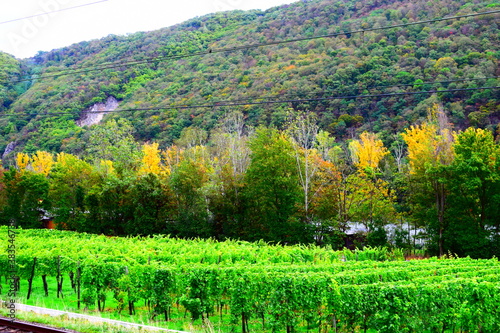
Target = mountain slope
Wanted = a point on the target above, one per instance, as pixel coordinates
(349, 64)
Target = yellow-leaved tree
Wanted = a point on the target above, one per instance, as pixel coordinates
(151, 159)
(430, 149)
(106, 167)
(427, 147)
(374, 203)
(22, 161)
(42, 162)
(64, 159)
(172, 156)
(368, 151)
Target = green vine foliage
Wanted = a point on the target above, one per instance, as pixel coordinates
(338, 292)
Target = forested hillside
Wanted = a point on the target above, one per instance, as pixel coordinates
(442, 55)
(10, 69)
(282, 141)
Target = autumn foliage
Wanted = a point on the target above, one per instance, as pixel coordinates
(297, 185)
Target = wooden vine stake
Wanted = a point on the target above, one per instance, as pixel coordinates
(78, 274)
(131, 309)
(72, 280)
(30, 280)
(45, 285)
(17, 283)
(59, 278)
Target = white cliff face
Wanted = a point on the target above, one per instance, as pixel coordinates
(95, 114)
(9, 149)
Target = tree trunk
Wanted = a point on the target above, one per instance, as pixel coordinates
(243, 326)
(17, 283)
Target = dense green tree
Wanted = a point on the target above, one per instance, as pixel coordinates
(474, 200)
(109, 205)
(152, 204)
(191, 217)
(272, 190)
(27, 198)
(70, 181)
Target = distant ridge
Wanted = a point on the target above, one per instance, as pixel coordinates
(347, 65)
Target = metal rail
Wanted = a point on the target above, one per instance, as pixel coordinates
(29, 327)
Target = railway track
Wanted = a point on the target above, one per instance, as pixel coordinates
(7, 325)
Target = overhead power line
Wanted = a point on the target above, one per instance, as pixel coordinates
(238, 48)
(52, 12)
(230, 103)
(243, 103)
(355, 87)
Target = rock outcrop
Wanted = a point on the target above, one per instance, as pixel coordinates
(9, 149)
(95, 114)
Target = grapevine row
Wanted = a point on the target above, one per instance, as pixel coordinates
(285, 288)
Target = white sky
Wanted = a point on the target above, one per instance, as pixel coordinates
(24, 38)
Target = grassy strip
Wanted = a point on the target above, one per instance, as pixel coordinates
(63, 322)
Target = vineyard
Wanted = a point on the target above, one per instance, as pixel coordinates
(257, 287)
